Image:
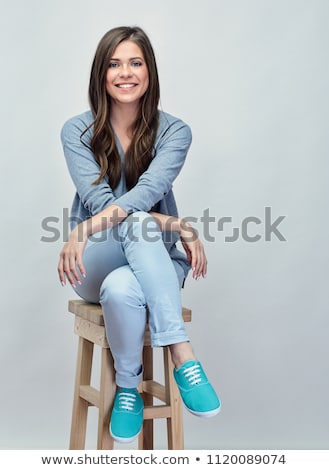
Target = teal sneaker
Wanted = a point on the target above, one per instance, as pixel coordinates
(127, 415)
(197, 394)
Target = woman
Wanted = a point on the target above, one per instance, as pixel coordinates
(123, 156)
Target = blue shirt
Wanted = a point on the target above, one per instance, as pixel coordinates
(153, 191)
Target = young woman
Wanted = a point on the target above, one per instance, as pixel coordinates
(123, 156)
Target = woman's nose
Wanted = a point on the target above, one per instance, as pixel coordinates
(125, 70)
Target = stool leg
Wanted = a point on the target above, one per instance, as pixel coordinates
(146, 437)
(175, 423)
(106, 399)
(80, 406)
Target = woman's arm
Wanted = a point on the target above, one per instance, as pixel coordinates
(170, 154)
(190, 240)
(82, 166)
(71, 254)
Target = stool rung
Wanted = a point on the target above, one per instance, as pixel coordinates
(155, 412)
(155, 389)
(90, 394)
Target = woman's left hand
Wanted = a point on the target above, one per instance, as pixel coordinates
(194, 250)
(71, 257)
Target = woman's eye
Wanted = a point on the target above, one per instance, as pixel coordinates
(137, 64)
(113, 65)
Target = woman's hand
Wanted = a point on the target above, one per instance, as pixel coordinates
(194, 250)
(190, 241)
(71, 256)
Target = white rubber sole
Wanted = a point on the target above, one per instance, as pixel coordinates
(124, 440)
(204, 414)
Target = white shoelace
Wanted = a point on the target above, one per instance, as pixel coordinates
(193, 374)
(127, 401)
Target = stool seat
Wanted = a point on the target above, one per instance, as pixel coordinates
(89, 326)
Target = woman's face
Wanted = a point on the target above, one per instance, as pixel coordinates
(127, 77)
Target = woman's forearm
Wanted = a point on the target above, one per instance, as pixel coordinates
(168, 223)
(113, 215)
(107, 218)
(71, 254)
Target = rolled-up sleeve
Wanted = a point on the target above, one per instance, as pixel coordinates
(84, 169)
(169, 156)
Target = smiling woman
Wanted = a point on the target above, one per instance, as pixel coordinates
(134, 114)
(127, 80)
(123, 156)
(127, 77)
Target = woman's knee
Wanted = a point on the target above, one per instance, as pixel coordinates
(141, 226)
(121, 288)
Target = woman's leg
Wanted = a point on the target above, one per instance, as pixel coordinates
(138, 241)
(101, 256)
(110, 281)
(150, 279)
(153, 268)
(124, 308)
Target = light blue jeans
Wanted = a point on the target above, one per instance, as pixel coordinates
(128, 270)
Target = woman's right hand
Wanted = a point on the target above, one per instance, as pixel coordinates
(71, 257)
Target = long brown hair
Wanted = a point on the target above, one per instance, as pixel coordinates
(139, 153)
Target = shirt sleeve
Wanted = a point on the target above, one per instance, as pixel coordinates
(84, 169)
(169, 157)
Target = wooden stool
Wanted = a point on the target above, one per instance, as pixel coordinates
(89, 326)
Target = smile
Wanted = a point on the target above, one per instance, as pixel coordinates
(126, 85)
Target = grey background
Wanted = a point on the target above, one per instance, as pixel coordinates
(251, 78)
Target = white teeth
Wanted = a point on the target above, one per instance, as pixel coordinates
(126, 85)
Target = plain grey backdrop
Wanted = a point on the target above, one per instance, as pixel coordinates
(251, 79)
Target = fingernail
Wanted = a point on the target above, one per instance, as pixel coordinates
(79, 282)
(63, 284)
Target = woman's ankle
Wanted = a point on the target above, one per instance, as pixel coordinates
(181, 352)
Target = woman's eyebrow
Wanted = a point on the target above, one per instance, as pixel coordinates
(132, 58)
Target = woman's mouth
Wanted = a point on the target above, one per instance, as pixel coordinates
(126, 85)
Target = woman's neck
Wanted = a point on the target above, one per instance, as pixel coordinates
(123, 117)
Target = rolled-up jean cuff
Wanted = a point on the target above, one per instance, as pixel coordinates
(124, 381)
(166, 339)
